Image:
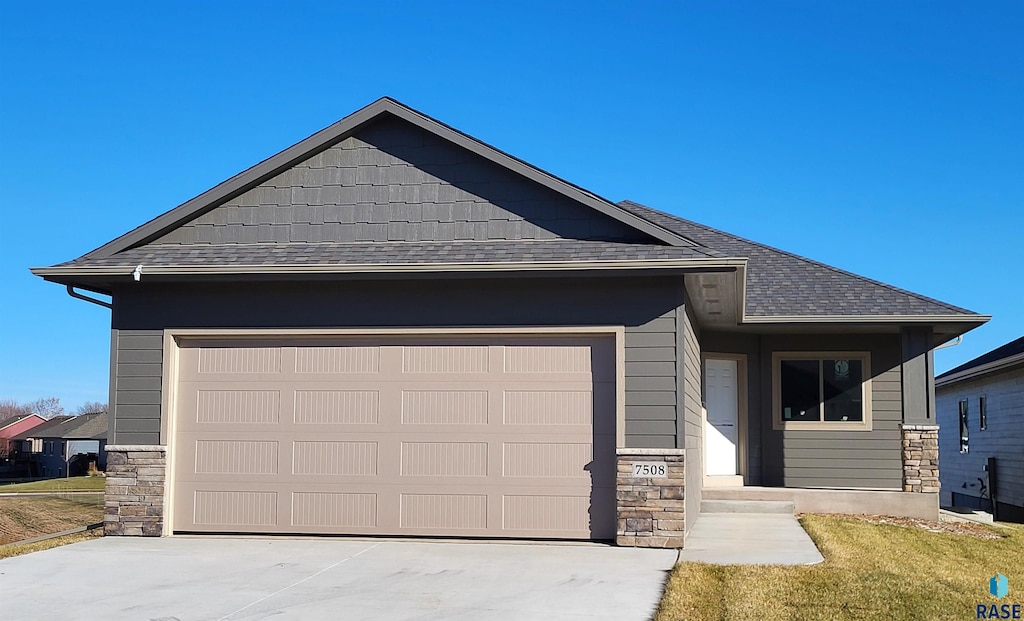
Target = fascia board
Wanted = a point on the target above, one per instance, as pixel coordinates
(984, 369)
(388, 267)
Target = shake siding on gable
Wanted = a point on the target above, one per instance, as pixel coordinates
(646, 306)
(394, 182)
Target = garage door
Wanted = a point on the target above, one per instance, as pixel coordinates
(491, 437)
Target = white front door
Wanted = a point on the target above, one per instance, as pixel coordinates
(721, 431)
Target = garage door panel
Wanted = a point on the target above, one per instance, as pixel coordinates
(475, 436)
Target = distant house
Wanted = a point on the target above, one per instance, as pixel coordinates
(12, 427)
(980, 409)
(63, 443)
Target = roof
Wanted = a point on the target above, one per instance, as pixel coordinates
(999, 359)
(7, 422)
(781, 284)
(43, 428)
(381, 254)
(344, 128)
(83, 427)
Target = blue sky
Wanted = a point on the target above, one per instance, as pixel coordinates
(886, 138)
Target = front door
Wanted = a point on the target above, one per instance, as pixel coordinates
(721, 432)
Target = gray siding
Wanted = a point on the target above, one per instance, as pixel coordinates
(869, 459)
(651, 383)
(1003, 439)
(645, 305)
(136, 375)
(693, 417)
(395, 182)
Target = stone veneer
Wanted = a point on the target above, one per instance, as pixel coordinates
(136, 487)
(920, 458)
(650, 511)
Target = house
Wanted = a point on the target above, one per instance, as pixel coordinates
(980, 408)
(392, 328)
(64, 443)
(26, 445)
(12, 427)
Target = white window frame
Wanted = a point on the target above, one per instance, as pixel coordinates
(780, 424)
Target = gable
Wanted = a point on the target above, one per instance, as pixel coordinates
(395, 182)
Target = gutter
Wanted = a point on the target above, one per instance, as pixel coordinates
(77, 295)
(868, 319)
(183, 270)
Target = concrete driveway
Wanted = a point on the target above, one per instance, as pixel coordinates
(191, 578)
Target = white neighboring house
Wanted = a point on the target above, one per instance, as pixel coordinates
(980, 410)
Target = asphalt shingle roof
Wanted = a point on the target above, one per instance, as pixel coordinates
(392, 253)
(1013, 348)
(782, 284)
(84, 427)
(42, 429)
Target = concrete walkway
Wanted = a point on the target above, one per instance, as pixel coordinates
(749, 539)
(230, 579)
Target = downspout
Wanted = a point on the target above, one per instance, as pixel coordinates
(959, 339)
(75, 294)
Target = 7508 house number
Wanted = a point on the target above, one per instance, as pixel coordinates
(650, 470)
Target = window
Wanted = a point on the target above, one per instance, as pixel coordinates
(821, 390)
(982, 413)
(963, 426)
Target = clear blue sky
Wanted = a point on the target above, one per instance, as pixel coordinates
(886, 138)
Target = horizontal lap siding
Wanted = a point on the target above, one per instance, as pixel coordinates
(137, 370)
(1003, 439)
(692, 417)
(871, 459)
(645, 306)
(651, 383)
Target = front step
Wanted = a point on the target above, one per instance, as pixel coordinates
(747, 506)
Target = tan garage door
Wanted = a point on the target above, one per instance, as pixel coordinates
(492, 437)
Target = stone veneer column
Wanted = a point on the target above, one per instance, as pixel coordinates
(135, 490)
(651, 512)
(920, 458)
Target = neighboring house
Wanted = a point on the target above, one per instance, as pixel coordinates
(66, 442)
(980, 407)
(393, 328)
(12, 427)
(27, 444)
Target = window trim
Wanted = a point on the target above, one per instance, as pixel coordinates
(779, 424)
(982, 412)
(963, 410)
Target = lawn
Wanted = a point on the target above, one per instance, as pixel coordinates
(871, 571)
(46, 544)
(32, 516)
(73, 484)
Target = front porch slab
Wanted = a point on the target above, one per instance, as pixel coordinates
(749, 539)
(848, 501)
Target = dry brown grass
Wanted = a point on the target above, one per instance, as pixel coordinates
(25, 548)
(73, 484)
(32, 516)
(871, 571)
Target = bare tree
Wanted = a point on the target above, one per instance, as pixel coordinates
(9, 408)
(91, 407)
(47, 407)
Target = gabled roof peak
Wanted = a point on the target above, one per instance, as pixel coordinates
(346, 127)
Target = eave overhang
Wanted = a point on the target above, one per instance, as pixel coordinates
(983, 369)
